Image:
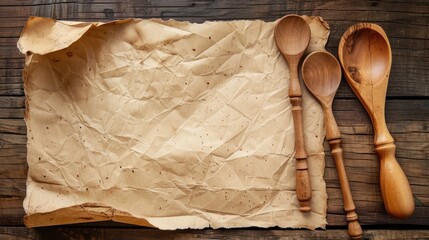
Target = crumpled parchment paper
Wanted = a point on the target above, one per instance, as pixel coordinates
(165, 124)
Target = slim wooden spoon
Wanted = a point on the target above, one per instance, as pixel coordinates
(321, 73)
(366, 58)
(292, 36)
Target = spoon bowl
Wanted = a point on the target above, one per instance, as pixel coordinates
(293, 34)
(366, 58)
(321, 73)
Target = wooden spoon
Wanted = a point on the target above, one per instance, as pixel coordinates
(321, 73)
(366, 58)
(292, 36)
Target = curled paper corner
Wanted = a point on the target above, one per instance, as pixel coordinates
(88, 212)
(318, 20)
(42, 35)
(98, 212)
(324, 23)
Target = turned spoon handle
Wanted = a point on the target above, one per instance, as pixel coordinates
(303, 187)
(395, 188)
(334, 139)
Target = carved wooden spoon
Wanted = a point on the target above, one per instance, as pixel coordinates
(292, 35)
(366, 58)
(321, 73)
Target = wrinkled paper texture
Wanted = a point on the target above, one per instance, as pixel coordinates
(165, 124)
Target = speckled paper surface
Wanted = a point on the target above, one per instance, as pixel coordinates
(165, 124)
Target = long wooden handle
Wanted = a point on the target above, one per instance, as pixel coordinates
(354, 228)
(395, 189)
(303, 187)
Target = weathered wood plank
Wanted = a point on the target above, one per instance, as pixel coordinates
(12, 101)
(8, 41)
(9, 52)
(13, 187)
(233, 234)
(13, 89)
(10, 202)
(11, 113)
(11, 80)
(14, 171)
(10, 72)
(10, 217)
(7, 138)
(18, 233)
(68, 233)
(12, 193)
(12, 64)
(13, 154)
(9, 34)
(14, 11)
(15, 126)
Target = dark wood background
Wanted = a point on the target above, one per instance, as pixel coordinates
(407, 112)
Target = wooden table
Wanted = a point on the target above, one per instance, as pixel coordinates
(407, 112)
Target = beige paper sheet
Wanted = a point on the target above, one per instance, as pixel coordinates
(165, 124)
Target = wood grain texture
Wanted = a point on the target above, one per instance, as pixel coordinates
(74, 233)
(321, 73)
(292, 36)
(366, 57)
(407, 111)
